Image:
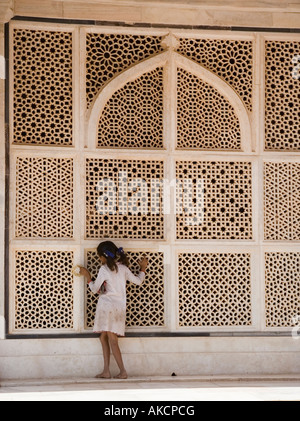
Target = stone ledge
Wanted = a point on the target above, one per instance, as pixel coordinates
(288, 377)
(273, 14)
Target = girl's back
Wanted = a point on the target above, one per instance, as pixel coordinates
(115, 280)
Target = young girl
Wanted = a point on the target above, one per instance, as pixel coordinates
(111, 307)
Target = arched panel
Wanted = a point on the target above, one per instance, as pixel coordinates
(133, 116)
(231, 103)
(212, 110)
(205, 119)
(118, 83)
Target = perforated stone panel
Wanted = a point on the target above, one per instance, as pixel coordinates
(133, 116)
(109, 54)
(43, 289)
(44, 197)
(214, 289)
(282, 288)
(120, 201)
(145, 303)
(227, 200)
(205, 119)
(282, 200)
(122, 191)
(282, 93)
(42, 87)
(231, 60)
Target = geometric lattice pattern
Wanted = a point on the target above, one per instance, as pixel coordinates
(145, 303)
(120, 201)
(122, 190)
(44, 197)
(231, 60)
(43, 289)
(282, 288)
(226, 209)
(42, 87)
(107, 55)
(205, 119)
(133, 115)
(282, 200)
(214, 289)
(282, 93)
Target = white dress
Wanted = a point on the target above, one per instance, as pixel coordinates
(111, 307)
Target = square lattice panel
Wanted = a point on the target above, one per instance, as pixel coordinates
(282, 288)
(107, 55)
(145, 303)
(122, 207)
(44, 197)
(43, 101)
(43, 289)
(282, 200)
(231, 60)
(282, 117)
(227, 200)
(214, 289)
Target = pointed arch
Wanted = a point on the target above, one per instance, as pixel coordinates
(224, 89)
(152, 63)
(117, 83)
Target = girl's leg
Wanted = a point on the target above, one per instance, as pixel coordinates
(106, 356)
(113, 340)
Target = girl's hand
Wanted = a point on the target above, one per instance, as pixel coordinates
(84, 272)
(143, 264)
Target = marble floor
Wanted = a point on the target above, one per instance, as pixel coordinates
(155, 389)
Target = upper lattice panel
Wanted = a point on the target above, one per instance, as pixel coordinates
(109, 54)
(205, 119)
(282, 119)
(42, 87)
(231, 60)
(133, 116)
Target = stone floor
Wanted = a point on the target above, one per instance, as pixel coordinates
(156, 389)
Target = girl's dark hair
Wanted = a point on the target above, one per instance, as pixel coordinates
(113, 254)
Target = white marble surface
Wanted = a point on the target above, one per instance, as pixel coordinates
(185, 388)
(202, 356)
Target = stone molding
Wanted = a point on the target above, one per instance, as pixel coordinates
(267, 13)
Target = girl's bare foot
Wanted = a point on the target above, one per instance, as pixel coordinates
(121, 375)
(103, 375)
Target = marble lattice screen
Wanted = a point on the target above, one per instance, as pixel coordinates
(183, 146)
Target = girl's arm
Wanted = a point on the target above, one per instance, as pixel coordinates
(84, 272)
(143, 264)
(94, 286)
(141, 276)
